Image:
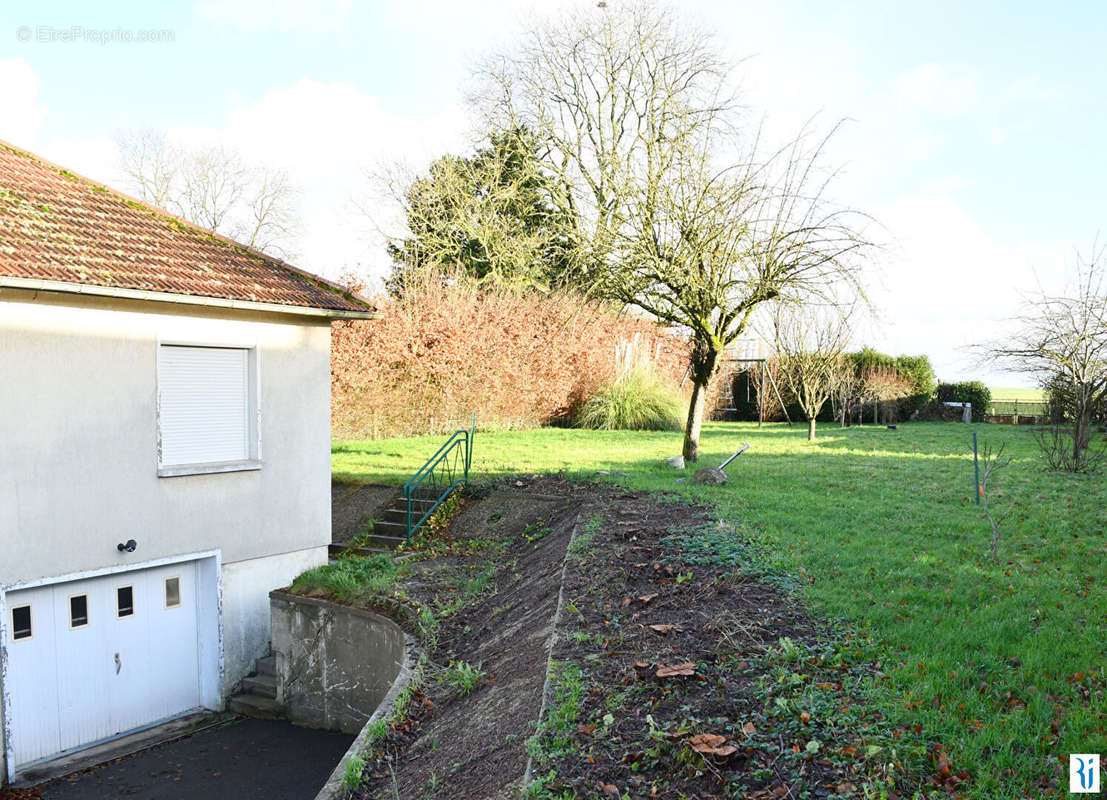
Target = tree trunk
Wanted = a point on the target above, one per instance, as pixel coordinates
(703, 367)
(811, 429)
(695, 421)
(1081, 437)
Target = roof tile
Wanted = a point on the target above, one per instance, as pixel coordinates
(58, 226)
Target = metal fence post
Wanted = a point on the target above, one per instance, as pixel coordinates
(469, 445)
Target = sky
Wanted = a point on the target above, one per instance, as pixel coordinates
(973, 132)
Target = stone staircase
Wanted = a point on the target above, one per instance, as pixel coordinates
(257, 696)
(391, 530)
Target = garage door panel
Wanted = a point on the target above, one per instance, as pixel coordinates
(32, 674)
(81, 653)
(173, 652)
(109, 655)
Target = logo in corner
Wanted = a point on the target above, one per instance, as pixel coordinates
(1083, 773)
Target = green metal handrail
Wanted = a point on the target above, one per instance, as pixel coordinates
(439, 476)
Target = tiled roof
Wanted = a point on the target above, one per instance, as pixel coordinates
(59, 227)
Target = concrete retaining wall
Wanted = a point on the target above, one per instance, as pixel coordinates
(334, 664)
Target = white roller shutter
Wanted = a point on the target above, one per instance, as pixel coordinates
(204, 404)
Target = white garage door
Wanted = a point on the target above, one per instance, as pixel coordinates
(91, 659)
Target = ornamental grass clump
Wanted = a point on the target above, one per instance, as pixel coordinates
(636, 401)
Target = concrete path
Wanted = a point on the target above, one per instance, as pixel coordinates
(246, 759)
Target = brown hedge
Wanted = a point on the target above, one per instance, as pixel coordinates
(518, 359)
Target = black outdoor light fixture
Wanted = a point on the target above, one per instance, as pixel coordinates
(129, 546)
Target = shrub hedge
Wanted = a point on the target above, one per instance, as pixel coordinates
(973, 392)
(517, 358)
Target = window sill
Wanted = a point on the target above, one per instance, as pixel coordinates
(176, 470)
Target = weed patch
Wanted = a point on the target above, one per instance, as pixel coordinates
(350, 579)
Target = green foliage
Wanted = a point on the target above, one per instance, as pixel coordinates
(463, 676)
(487, 217)
(636, 401)
(916, 372)
(557, 730)
(1062, 401)
(354, 768)
(973, 392)
(349, 579)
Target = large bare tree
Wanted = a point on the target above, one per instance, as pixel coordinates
(678, 213)
(1061, 339)
(214, 187)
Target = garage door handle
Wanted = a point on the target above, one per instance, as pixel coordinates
(118, 664)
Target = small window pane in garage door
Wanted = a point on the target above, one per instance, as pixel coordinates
(78, 611)
(21, 622)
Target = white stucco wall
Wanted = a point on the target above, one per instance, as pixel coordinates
(78, 427)
(78, 452)
(246, 587)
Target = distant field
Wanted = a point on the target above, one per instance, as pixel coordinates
(1024, 402)
(1002, 394)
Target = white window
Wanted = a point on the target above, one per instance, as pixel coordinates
(207, 409)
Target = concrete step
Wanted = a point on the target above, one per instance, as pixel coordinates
(261, 685)
(266, 665)
(388, 530)
(398, 515)
(252, 705)
(336, 549)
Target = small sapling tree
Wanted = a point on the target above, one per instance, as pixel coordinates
(991, 463)
(1062, 339)
(810, 344)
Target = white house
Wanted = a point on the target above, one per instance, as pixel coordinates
(164, 458)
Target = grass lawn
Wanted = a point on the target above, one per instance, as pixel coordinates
(1004, 663)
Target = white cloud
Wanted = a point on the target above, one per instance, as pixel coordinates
(21, 116)
(949, 284)
(21, 123)
(96, 157)
(284, 15)
(326, 136)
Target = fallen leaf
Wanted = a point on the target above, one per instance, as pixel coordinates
(664, 628)
(647, 597)
(672, 670)
(609, 789)
(749, 729)
(707, 740)
(711, 744)
(588, 729)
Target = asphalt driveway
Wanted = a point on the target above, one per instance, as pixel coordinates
(242, 760)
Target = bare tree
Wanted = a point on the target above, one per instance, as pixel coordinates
(676, 213)
(1062, 338)
(811, 344)
(213, 187)
(151, 163)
